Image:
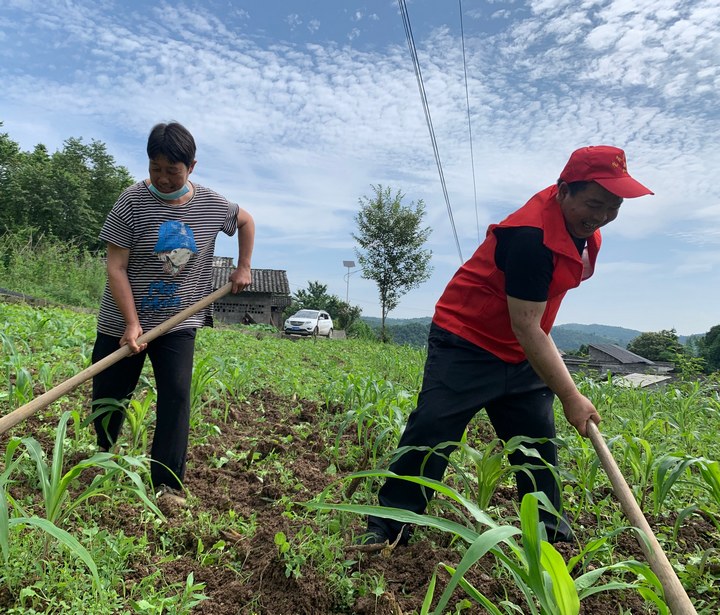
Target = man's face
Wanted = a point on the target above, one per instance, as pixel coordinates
(587, 210)
(169, 176)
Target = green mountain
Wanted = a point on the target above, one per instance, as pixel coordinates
(395, 322)
(568, 337)
(414, 332)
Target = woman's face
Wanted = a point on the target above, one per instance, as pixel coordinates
(169, 176)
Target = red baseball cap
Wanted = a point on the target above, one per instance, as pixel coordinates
(605, 165)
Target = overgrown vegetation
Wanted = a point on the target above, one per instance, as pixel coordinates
(65, 195)
(41, 266)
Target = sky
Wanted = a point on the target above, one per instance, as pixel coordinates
(299, 108)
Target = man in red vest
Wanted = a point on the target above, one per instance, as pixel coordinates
(489, 344)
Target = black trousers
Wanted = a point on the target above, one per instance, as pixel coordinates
(171, 356)
(459, 380)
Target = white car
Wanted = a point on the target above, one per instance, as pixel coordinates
(309, 322)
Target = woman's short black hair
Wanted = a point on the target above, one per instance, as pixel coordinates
(173, 141)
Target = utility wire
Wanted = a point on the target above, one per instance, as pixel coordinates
(467, 101)
(428, 119)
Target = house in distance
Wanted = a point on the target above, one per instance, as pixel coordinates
(627, 368)
(262, 302)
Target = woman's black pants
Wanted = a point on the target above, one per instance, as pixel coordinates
(171, 356)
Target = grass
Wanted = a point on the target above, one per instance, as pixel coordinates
(47, 268)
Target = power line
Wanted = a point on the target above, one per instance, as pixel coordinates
(428, 119)
(467, 102)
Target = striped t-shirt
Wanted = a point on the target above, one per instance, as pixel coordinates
(171, 254)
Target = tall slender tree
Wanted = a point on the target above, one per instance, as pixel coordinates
(392, 253)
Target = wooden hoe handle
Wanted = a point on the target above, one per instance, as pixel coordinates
(23, 412)
(675, 595)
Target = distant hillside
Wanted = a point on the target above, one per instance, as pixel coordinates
(375, 322)
(403, 331)
(571, 336)
(414, 331)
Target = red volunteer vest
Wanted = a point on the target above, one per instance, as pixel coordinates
(474, 304)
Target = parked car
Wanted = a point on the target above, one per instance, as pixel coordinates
(309, 322)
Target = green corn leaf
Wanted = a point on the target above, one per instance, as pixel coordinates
(710, 471)
(4, 525)
(482, 544)
(667, 472)
(36, 454)
(563, 587)
(474, 593)
(439, 487)
(529, 521)
(401, 515)
(425, 609)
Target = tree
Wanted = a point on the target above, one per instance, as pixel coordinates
(10, 158)
(391, 243)
(316, 297)
(66, 195)
(709, 349)
(657, 346)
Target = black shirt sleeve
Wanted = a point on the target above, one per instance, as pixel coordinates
(526, 262)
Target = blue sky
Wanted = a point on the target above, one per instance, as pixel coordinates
(298, 107)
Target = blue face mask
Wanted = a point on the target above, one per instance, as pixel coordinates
(169, 196)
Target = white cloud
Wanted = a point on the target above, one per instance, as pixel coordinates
(301, 129)
(293, 20)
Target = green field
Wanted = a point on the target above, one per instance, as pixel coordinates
(289, 439)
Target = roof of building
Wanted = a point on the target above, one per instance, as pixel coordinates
(639, 380)
(620, 354)
(263, 280)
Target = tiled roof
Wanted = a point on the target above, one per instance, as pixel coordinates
(621, 354)
(263, 280)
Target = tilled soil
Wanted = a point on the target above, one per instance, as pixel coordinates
(256, 581)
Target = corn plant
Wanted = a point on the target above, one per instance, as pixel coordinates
(684, 408)
(234, 380)
(16, 522)
(138, 416)
(536, 567)
(47, 374)
(377, 411)
(20, 390)
(637, 453)
(204, 373)
(103, 409)
(55, 484)
(487, 467)
(584, 472)
(8, 524)
(710, 472)
(17, 377)
(9, 344)
(669, 470)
